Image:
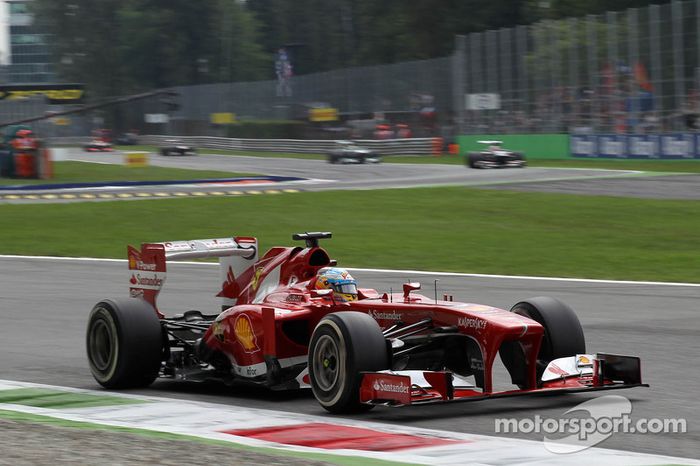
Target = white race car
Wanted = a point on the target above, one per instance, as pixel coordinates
(495, 156)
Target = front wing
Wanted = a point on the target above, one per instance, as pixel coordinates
(394, 389)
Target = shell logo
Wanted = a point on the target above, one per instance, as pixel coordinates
(132, 262)
(583, 360)
(243, 329)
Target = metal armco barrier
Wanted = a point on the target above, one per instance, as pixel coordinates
(637, 146)
(413, 146)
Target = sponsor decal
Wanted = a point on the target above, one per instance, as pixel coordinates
(243, 329)
(56, 93)
(152, 282)
(554, 369)
(471, 322)
(583, 360)
(255, 281)
(136, 293)
(384, 386)
(140, 265)
(218, 331)
(295, 298)
(393, 315)
(476, 364)
(251, 371)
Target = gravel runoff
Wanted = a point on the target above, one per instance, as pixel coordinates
(36, 444)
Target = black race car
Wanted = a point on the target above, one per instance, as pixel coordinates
(349, 152)
(176, 147)
(495, 156)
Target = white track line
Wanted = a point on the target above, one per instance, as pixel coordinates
(410, 272)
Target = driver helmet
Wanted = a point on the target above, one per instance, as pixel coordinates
(340, 281)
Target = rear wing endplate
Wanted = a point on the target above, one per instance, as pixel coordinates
(147, 266)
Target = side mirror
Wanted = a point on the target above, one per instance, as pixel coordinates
(408, 287)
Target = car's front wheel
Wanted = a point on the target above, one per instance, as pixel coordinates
(563, 336)
(343, 345)
(124, 343)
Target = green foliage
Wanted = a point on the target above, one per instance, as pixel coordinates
(122, 46)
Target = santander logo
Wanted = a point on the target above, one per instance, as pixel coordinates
(381, 385)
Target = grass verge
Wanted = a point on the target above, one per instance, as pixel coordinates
(84, 172)
(442, 229)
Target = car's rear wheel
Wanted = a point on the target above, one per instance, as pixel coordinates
(124, 343)
(563, 336)
(343, 345)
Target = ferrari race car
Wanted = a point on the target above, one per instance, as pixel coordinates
(292, 320)
(494, 156)
(176, 147)
(349, 152)
(98, 145)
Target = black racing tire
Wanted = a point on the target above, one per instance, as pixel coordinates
(124, 343)
(332, 159)
(472, 159)
(163, 152)
(343, 345)
(563, 336)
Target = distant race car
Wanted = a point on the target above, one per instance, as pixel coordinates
(494, 156)
(176, 147)
(127, 139)
(350, 152)
(98, 145)
(292, 319)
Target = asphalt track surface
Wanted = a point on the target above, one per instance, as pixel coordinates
(45, 304)
(320, 175)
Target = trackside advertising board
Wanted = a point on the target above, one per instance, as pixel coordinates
(636, 146)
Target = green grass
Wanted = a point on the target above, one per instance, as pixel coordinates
(79, 172)
(443, 229)
(676, 166)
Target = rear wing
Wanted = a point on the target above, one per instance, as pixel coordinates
(147, 266)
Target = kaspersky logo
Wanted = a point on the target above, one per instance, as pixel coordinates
(381, 385)
(471, 322)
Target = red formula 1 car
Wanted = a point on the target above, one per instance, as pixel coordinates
(292, 319)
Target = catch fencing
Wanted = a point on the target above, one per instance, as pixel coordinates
(630, 72)
(634, 71)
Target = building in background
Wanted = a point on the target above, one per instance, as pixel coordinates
(29, 56)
